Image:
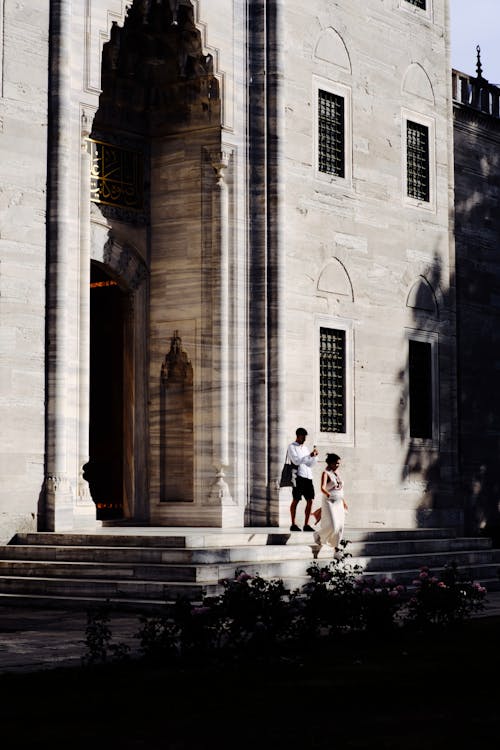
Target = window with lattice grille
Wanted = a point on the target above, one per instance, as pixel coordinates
(417, 161)
(420, 383)
(332, 368)
(331, 133)
(418, 3)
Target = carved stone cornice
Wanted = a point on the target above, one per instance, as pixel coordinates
(55, 483)
(465, 117)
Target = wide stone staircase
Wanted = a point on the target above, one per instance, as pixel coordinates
(144, 568)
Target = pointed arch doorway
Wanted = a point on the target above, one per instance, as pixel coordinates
(105, 470)
(154, 137)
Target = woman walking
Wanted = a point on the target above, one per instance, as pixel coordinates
(333, 505)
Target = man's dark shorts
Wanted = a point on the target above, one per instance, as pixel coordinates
(303, 488)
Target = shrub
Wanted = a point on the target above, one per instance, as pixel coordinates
(98, 637)
(444, 601)
(252, 612)
(339, 596)
(331, 600)
(258, 617)
(159, 638)
(382, 600)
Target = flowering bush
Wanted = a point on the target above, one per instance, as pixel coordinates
(253, 611)
(340, 596)
(382, 600)
(444, 601)
(257, 616)
(330, 600)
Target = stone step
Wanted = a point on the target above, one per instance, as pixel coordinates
(168, 537)
(165, 573)
(214, 555)
(104, 590)
(142, 568)
(416, 561)
(111, 571)
(86, 603)
(162, 606)
(153, 555)
(144, 596)
(213, 573)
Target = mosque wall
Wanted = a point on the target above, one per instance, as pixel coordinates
(267, 247)
(23, 176)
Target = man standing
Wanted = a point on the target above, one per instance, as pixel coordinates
(299, 454)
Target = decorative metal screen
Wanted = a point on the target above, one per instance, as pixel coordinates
(332, 380)
(116, 175)
(417, 160)
(418, 3)
(331, 133)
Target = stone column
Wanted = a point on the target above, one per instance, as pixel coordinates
(257, 500)
(220, 491)
(267, 441)
(85, 510)
(276, 251)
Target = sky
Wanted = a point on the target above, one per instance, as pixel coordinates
(476, 22)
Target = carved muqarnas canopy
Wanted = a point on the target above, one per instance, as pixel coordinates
(155, 75)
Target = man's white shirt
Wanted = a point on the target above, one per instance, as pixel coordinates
(300, 455)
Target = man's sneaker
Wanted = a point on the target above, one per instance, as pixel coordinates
(308, 528)
(294, 527)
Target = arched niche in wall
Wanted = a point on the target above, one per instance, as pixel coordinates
(334, 279)
(416, 82)
(330, 48)
(422, 299)
(176, 424)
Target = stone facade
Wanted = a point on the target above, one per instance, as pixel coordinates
(23, 180)
(357, 247)
(172, 252)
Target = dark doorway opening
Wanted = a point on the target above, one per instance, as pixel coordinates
(106, 443)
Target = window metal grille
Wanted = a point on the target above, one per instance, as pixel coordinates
(331, 133)
(332, 380)
(418, 3)
(417, 161)
(420, 377)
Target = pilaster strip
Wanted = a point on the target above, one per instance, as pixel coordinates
(83, 494)
(58, 510)
(2, 44)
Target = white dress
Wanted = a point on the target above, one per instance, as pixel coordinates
(332, 512)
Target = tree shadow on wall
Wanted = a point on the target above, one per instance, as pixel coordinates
(426, 413)
(477, 238)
